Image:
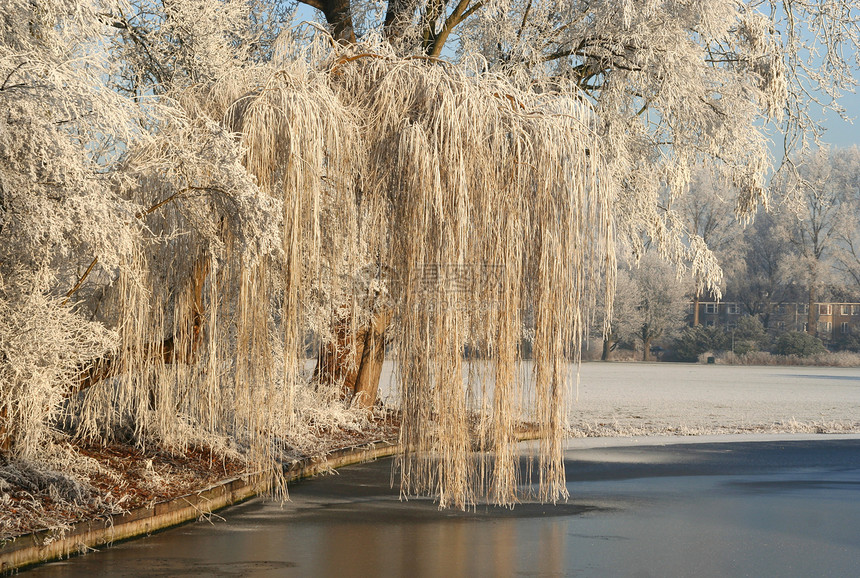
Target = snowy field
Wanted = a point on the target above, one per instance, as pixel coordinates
(634, 399)
(653, 398)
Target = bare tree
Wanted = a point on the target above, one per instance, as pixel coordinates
(821, 212)
(656, 302)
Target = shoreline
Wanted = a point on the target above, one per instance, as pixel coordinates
(618, 405)
(46, 545)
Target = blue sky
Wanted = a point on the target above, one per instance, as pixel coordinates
(840, 133)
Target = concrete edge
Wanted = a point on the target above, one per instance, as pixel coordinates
(46, 545)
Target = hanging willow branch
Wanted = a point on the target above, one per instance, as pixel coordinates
(139, 215)
(483, 202)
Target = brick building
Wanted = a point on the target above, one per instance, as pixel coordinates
(835, 320)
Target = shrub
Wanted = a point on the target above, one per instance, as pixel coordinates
(849, 342)
(695, 341)
(749, 336)
(798, 343)
(826, 359)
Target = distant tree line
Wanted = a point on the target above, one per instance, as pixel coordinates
(802, 252)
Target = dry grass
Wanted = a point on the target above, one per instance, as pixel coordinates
(790, 426)
(829, 359)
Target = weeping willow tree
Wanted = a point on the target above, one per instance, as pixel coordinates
(183, 200)
(475, 201)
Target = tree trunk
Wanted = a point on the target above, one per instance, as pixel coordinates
(355, 362)
(372, 356)
(338, 14)
(696, 299)
(607, 350)
(646, 349)
(811, 317)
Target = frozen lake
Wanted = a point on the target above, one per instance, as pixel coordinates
(770, 507)
(656, 398)
(727, 505)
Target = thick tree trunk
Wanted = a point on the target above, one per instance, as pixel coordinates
(355, 362)
(372, 356)
(338, 14)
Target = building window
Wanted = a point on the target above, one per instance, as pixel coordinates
(825, 326)
(732, 308)
(845, 310)
(780, 308)
(710, 308)
(803, 308)
(825, 309)
(844, 328)
(709, 323)
(781, 325)
(804, 327)
(855, 310)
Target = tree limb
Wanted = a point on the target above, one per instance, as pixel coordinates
(139, 215)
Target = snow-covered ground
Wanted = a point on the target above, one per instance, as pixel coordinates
(649, 398)
(631, 399)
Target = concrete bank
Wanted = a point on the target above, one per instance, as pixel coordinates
(46, 545)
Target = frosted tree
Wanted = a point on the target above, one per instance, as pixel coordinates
(821, 189)
(655, 303)
(669, 83)
(184, 199)
(847, 167)
(707, 215)
(625, 316)
(116, 213)
(56, 204)
(223, 219)
(760, 283)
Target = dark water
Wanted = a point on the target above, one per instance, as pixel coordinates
(775, 508)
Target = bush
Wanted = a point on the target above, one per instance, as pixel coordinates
(849, 342)
(695, 341)
(826, 359)
(749, 336)
(798, 343)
